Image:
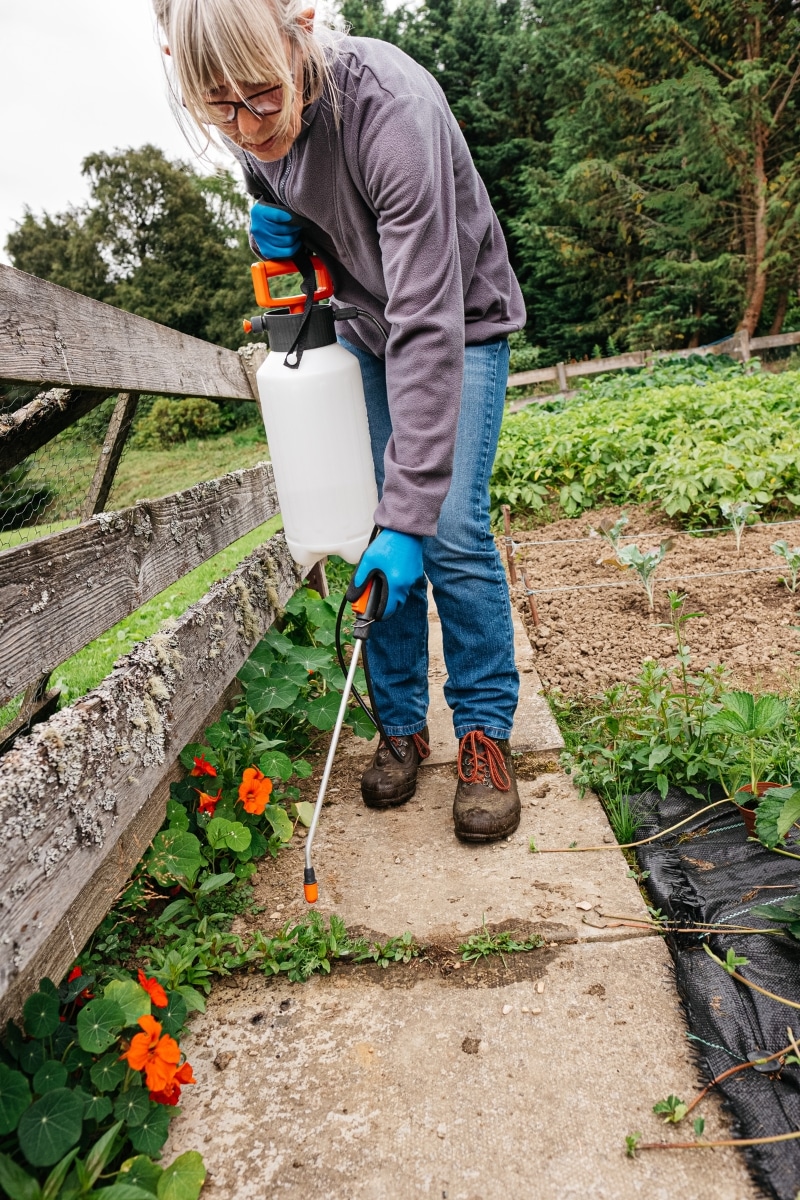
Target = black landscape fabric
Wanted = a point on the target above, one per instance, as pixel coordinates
(708, 871)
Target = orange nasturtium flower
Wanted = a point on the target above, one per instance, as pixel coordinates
(254, 791)
(154, 990)
(208, 803)
(171, 1094)
(201, 767)
(156, 1055)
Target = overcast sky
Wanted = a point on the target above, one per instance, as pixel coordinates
(77, 76)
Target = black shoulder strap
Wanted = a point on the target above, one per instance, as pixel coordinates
(302, 261)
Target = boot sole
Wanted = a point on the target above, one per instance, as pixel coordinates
(465, 836)
(393, 802)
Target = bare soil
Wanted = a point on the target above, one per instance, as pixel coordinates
(593, 637)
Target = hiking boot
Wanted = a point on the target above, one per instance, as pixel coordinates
(388, 782)
(486, 807)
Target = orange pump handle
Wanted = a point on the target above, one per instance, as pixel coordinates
(262, 272)
(360, 605)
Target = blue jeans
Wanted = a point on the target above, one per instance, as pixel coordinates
(463, 566)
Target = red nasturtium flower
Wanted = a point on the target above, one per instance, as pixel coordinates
(154, 990)
(155, 1054)
(201, 767)
(83, 996)
(254, 791)
(171, 1094)
(208, 803)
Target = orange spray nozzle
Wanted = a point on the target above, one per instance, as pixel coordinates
(311, 892)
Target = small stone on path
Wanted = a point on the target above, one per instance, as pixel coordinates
(586, 905)
(506, 1009)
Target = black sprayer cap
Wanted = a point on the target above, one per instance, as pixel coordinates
(282, 328)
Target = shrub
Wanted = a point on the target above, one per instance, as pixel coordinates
(172, 421)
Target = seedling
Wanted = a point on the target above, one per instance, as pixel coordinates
(397, 949)
(612, 530)
(792, 558)
(737, 513)
(645, 564)
(672, 1110)
(631, 1142)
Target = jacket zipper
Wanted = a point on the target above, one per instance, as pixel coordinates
(284, 178)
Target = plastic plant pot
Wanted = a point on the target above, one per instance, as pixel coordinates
(748, 810)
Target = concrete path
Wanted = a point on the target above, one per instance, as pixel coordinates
(442, 1079)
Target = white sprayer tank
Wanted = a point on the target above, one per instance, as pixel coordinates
(316, 424)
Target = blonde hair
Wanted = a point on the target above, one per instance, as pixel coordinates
(234, 42)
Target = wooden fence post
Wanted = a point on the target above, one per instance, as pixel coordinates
(512, 570)
(116, 436)
(561, 370)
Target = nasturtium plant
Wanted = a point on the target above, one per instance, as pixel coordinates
(15, 1096)
(99, 1025)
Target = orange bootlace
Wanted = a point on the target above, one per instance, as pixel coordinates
(423, 749)
(486, 756)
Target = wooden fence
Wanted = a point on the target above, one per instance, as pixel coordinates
(83, 791)
(740, 346)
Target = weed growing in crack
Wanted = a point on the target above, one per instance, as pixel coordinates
(483, 944)
(395, 950)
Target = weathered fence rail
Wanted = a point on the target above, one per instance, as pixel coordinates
(83, 793)
(739, 346)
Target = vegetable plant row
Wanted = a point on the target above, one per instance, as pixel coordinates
(731, 435)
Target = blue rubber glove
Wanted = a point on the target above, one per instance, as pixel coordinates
(398, 557)
(274, 231)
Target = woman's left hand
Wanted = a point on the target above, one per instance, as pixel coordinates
(398, 558)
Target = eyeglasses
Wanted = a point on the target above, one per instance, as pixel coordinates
(263, 104)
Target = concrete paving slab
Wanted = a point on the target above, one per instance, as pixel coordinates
(344, 1089)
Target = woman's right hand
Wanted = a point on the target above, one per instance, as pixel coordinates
(274, 231)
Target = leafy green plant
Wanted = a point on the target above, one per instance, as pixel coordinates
(483, 944)
(737, 513)
(745, 721)
(687, 445)
(792, 560)
(778, 810)
(88, 1081)
(644, 564)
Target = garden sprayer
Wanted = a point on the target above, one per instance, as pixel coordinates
(315, 417)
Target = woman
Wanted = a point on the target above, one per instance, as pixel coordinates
(351, 149)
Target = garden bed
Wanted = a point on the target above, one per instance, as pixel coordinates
(595, 636)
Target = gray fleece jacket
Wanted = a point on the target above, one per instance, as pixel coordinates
(393, 205)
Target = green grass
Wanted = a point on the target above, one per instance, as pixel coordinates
(89, 666)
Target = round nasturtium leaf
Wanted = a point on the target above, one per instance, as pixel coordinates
(15, 1096)
(149, 1137)
(32, 1055)
(40, 1014)
(237, 837)
(173, 1017)
(96, 1108)
(132, 1107)
(141, 1172)
(183, 1179)
(99, 1025)
(50, 1127)
(130, 996)
(108, 1072)
(51, 1074)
